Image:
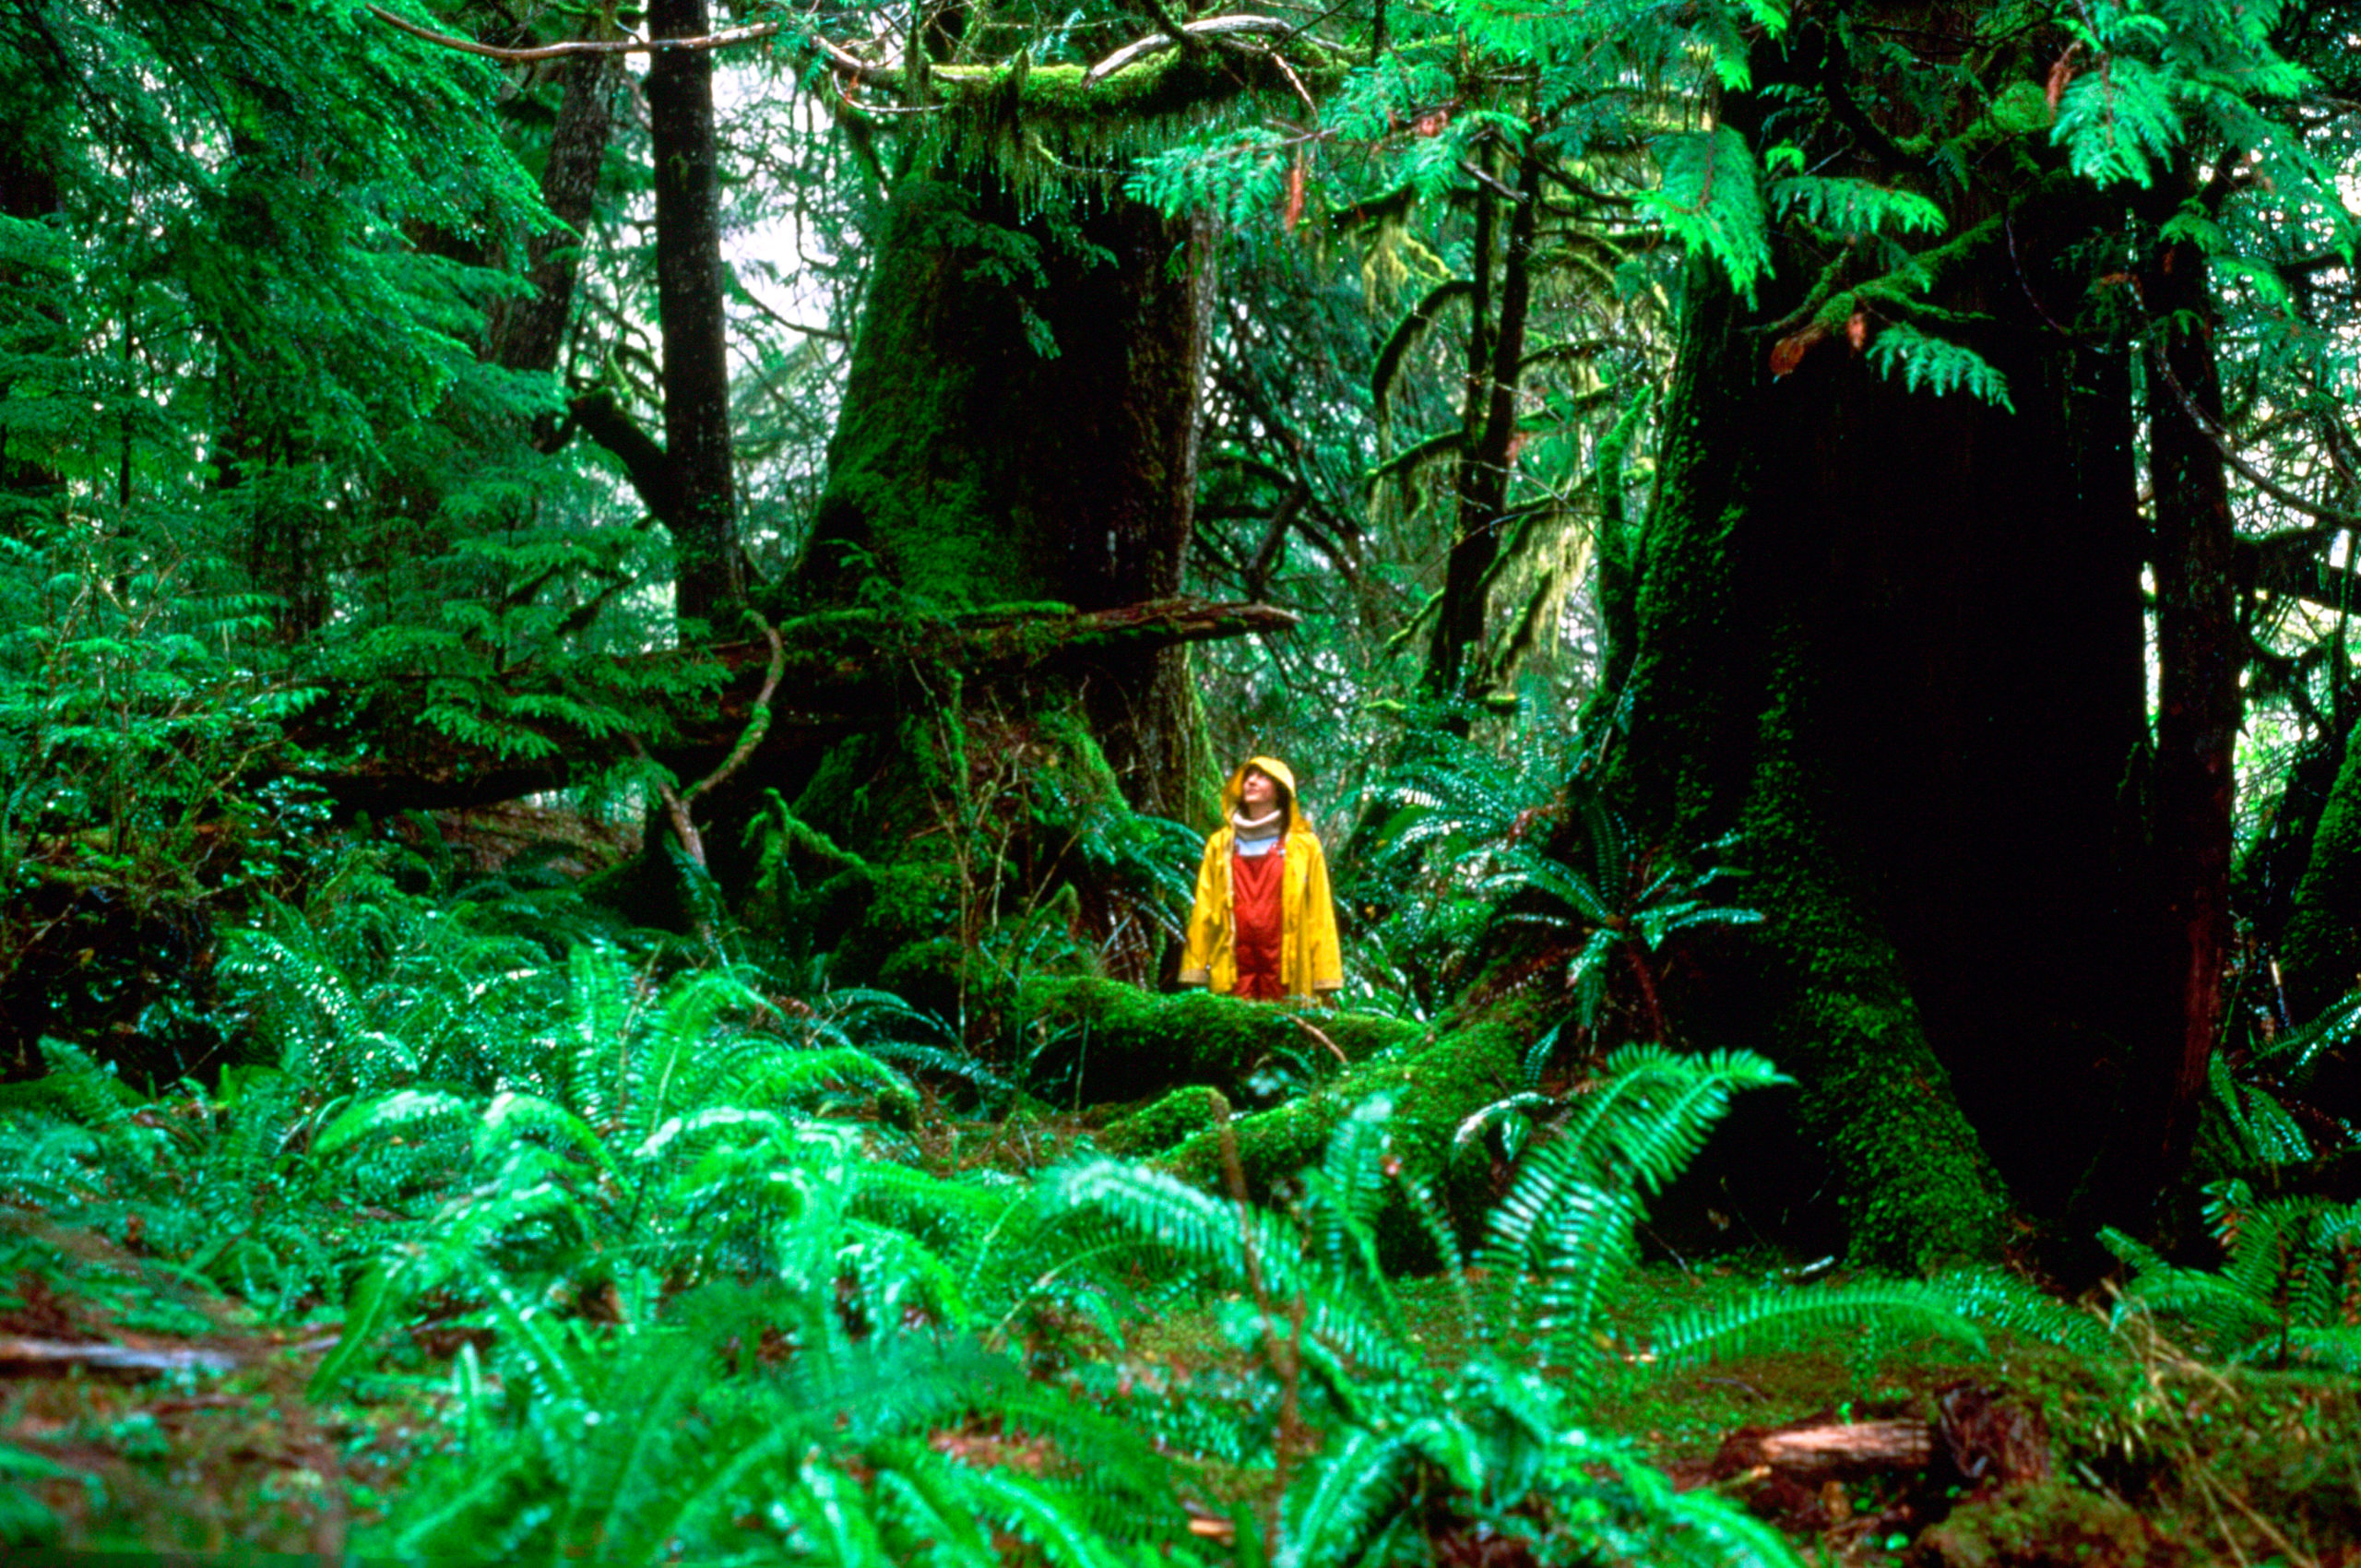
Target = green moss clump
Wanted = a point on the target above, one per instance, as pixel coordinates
(1918, 1188)
(868, 917)
(2046, 1522)
(1436, 1083)
(1159, 1126)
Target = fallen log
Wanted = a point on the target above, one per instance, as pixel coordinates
(23, 1355)
(1838, 1450)
(843, 670)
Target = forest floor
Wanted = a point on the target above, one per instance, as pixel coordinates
(201, 1439)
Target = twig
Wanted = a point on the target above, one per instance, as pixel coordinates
(1308, 1027)
(2220, 441)
(758, 722)
(138, 1358)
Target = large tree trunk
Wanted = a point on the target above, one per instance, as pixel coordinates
(1020, 424)
(1458, 664)
(1895, 639)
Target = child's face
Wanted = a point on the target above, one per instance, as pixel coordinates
(1257, 791)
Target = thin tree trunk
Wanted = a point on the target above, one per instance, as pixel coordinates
(2200, 650)
(709, 580)
(1456, 665)
(526, 334)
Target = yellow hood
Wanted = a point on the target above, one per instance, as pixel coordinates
(1235, 791)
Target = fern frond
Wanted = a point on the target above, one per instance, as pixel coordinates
(1338, 1503)
(2003, 1300)
(1785, 1318)
(1855, 207)
(1940, 365)
(2117, 121)
(1710, 197)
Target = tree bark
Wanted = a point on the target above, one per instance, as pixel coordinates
(526, 334)
(1895, 639)
(1020, 426)
(2199, 653)
(708, 576)
(1458, 664)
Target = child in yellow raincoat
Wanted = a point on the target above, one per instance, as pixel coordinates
(1262, 925)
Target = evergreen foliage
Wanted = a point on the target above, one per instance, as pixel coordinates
(730, 1283)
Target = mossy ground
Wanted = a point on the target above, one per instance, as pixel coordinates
(2154, 1460)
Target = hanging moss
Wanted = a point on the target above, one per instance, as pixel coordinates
(1052, 134)
(2320, 955)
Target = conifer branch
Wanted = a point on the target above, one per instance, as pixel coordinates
(1189, 35)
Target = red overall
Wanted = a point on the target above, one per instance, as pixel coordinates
(1255, 905)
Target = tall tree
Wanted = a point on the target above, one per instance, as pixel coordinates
(700, 496)
(1896, 637)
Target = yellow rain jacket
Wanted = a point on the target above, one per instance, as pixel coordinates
(1308, 961)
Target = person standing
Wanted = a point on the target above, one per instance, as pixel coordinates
(1264, 925)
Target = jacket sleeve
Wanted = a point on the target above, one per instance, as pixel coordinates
(1323, 961)
(1204, 924)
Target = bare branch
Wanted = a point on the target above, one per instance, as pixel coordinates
(1156, 44)
(723, 39)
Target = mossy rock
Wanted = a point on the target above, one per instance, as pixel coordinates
(1157, 1126)
(2047, 1523)
(1119, 1042)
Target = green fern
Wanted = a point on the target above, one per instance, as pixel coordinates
(1938, 364)
(1855, 207)
(1495, 1438)
(2116, 122)
(2289, 1290)
(1710, 198)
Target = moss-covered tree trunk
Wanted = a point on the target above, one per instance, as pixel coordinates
(1895, 639)
(1019, 427)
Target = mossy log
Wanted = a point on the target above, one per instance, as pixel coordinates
(1109, 1041)
(1160, 1125)
(1130, 1044)
(841, 670)
(1437, 1080)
